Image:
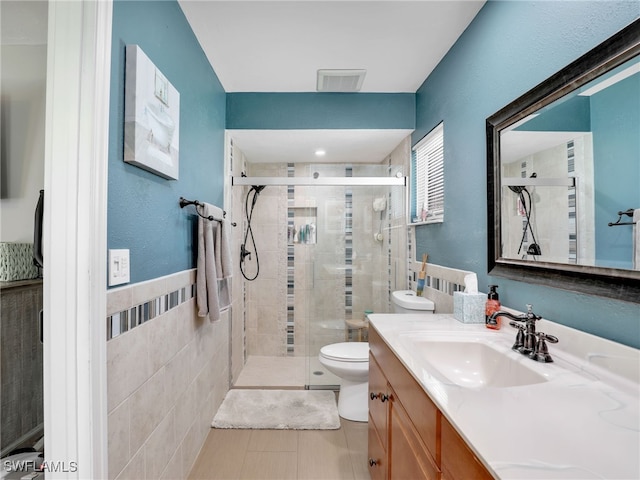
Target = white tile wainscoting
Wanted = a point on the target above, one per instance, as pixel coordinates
(165, 379)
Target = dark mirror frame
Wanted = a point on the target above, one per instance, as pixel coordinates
(613, 283)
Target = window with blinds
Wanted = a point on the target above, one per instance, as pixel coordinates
(428, 158)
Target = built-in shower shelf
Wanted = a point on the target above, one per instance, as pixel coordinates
(302, 225)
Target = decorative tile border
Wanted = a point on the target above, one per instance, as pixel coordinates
(291, 316)
(348, 247)
(571, 200)
(440, 284)
(411, 235)
(437, 283)
(125, 320)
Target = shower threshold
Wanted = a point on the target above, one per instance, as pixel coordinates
(285, 372)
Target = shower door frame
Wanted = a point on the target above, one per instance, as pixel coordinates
(318, 181)
(321, 181)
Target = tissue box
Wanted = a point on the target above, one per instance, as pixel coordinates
(16, 262)
(469, 307)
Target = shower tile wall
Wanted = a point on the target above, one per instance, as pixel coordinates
(237, 165)
(561, 217)
(397, 221)
(265, 301)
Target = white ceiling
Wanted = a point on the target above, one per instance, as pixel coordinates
(278, 46)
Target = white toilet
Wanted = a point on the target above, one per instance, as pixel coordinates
(406, 301)
(350, 360)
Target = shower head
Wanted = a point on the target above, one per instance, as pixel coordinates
(258, 188)
(521, 188)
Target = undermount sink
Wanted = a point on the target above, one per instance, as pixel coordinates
(473, 363)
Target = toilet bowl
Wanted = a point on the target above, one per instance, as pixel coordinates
(350, 362)
(406, 301)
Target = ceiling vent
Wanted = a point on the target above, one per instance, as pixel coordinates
(340, 80)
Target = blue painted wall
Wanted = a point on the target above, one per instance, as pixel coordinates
(143, 211)
(293, 111)
(510, 47)
(570, 115)
(616, 145)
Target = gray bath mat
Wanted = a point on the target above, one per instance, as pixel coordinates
(278, 410)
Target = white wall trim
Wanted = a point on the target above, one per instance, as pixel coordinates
(76, 153)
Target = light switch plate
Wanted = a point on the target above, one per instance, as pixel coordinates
(118, 266)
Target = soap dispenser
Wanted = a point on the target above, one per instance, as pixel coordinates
(492, 306)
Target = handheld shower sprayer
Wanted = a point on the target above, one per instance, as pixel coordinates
(244, 252)
(520, 190)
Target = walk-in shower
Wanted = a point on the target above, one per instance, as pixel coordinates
(328, 254)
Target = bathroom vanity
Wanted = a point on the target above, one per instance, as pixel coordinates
(436, 413)
(420, 444)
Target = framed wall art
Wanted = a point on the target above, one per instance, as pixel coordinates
(151, 116)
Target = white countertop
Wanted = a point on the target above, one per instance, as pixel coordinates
(582, 423)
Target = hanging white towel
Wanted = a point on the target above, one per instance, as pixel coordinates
(213, 288)
(636, 239)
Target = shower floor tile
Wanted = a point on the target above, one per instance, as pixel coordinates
(283, 372)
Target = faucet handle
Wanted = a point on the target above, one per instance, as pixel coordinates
(541, 353)
(519, 343)
(548, 338)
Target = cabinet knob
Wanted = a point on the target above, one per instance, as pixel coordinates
(382, 396)
(372, 462)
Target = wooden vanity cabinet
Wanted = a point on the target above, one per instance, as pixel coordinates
(408, 436)
(458, 461)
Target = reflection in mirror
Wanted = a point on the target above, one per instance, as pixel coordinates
(564, 176)
(580, 156)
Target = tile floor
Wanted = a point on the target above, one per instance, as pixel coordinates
(284, 372)
(284, 454)
(231, 454)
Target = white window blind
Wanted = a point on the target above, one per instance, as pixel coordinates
(429, 162)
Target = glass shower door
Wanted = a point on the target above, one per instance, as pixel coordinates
(348, 266)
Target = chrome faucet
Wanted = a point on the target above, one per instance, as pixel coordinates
(528, 342)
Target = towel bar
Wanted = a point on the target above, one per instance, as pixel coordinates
(184, 202)
(628, 212)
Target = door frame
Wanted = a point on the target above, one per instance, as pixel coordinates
(75, 220)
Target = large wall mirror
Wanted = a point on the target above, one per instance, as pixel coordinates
(563, 165)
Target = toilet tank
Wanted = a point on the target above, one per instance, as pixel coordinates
(406, 301)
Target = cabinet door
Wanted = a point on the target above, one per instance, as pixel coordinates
(377, 459)
(378, 408)
(458, 461)
(424, 413)
(408, 457)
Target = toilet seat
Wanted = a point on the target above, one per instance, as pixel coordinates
(352, 352)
